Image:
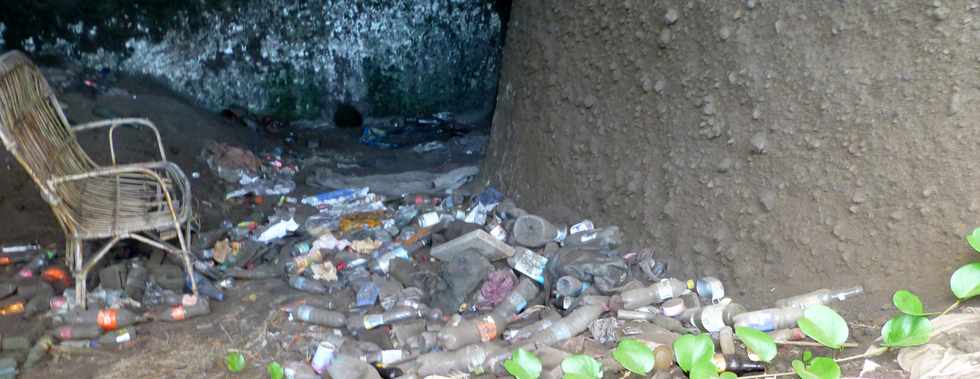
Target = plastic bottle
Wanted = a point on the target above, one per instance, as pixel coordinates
(382, 262)
(469, 359)
(569, 326)
(116, 337)
(373, 320)
(608, 238)
(570, 286)
(305, 284)
(298, 370)
(38, 351)
(710, 288)
(108, 318)
(313, 315)
(206, 288)
(7, 289)
(654, 294)
(15, 343)
(13, 308)
(523, 333)
(76, 332)
(821, 296)
(385, 357)
(657, 319)
(736, 364)
(136, 280)
(714, 317)
(189, 307)
(39, 303)
(490, 326)
(266, 271)
(9, 260)
(770, 319)
(32, 268)
(348, 367)
(533, 231)
(790, 334)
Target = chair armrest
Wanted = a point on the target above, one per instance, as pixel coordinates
(116, 122)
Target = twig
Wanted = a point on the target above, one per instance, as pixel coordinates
(813, 344)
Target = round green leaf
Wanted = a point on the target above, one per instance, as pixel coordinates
(690, 349)
(908, 303)
(819, 368)
(523, 365)
(974, 240)
(760, 343)
(581, 367)
(634, 355)
(965, 282)
(824, 326)
(704, 370)
(906, 330)
(274, 370)
(235, 361)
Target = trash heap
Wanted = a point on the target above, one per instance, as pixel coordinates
(417, 285)
(408, 286)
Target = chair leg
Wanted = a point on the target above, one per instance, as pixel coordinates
(74, 255)
(82, 271)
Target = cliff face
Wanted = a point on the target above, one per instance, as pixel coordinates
(783, 146)
(295, 58)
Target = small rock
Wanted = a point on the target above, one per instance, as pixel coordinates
(724, 165)
(672, 15)
(665, 38)
(859, 197)
(954, 102)
(589, 101)
(750, 4)
(760, 143)
(724, 33)
(768, 200)
(659, 86)
(929, 191)
(647, 84)
(756, 113)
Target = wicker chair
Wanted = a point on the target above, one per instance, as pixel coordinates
(90, 202)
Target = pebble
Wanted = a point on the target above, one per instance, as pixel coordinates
(768, 200)
(859, 197)
(665, 38)
(659, 86)
(929, 191)
(724, 33)
(750, 4)
(672, 15)
(954, 102)
(760, 143)
(724, 165)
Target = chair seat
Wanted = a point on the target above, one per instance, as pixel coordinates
(128, 203)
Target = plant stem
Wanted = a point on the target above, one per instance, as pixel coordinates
(787, 373)
(813, 344)
(867, 354)
(950, 308)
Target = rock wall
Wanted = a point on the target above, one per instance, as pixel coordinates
(295, 58)
(783, 146)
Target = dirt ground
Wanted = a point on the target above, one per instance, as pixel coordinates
(249, 319)
(781, 146)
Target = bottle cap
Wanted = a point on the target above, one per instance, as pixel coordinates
(690, 284)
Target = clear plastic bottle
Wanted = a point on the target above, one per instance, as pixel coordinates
(136, 280)
(608, 238)
(770, 319)
(654, 294)
(821, 296)
(713, 318)
(306, 284)
(570, 286)
(489, 327)
(319, 316)
(373, 320)
(533, 231)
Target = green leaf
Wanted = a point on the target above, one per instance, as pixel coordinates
(908, 303)
(906, 330)
(820, 368)
(704, 370)
(824, 326)
(807, 356)
(760, 343)
(728, 375)
(581, 367)
(523, 365)
(634, 355)
(974, 240)
(235, 361)
(690, 349)
(965, 282)
(274, 370)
